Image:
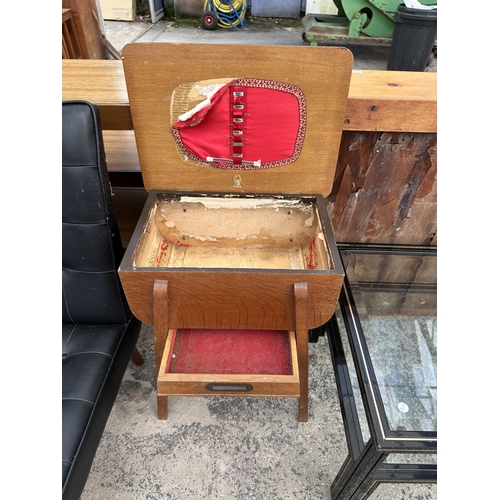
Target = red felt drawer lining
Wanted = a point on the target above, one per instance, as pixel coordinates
(231, 352)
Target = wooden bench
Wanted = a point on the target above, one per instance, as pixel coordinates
(385, 186)
(388, 101)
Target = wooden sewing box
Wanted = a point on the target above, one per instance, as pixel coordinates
(233, 263)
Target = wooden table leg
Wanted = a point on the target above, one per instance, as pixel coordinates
(302, 335)
(160, 324)
(137, 357)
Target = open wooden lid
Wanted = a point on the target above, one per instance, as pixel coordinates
(292, 97)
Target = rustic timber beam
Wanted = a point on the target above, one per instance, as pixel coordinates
(383, 101)
(392, 101)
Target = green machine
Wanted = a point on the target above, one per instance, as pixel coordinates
(363, 21)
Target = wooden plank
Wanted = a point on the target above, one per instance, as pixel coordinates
(392, 101)
(70, 44)
(121, 151)
(66, 14)
(378, 100)
(385, 189)
(256, 299)
(394, 85)
(301, 293)
(87, 30)
(101, 82)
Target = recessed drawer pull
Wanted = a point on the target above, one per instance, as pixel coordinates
(229, 387)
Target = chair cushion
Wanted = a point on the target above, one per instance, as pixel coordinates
(99, 331)
(94, 358)
(91, 243)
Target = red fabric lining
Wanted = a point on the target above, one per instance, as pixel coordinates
(273, 125)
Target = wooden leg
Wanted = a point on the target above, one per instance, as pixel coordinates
(302, 335)
(137, 357)
(160, 323)
(162, 402)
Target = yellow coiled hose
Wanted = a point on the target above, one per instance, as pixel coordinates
(231, 13)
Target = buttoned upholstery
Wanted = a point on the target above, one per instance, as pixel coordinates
(99, 332)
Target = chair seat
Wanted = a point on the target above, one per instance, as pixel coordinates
(94, 358)
(99, 332)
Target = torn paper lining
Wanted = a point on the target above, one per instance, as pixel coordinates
(208, 91)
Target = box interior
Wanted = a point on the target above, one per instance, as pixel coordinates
(260, 232)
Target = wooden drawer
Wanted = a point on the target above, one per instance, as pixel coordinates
(202, 362)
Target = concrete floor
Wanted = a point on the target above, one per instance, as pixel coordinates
(257, 31)
(231, 448)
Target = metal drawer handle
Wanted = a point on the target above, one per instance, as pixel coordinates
(229, 387)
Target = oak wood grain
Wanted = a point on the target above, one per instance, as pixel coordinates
(161, 315)
(232, 298)
(154, 70)
(302, 305)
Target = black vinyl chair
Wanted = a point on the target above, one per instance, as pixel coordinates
(99, 332)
